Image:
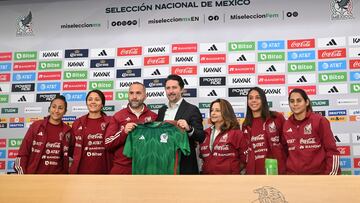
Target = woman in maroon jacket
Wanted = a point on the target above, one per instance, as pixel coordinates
(88, 134)
(310, 141)
(44, 149)
(263, 130)
(223, 150)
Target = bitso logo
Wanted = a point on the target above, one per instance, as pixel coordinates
(24, 25)
(341, 10)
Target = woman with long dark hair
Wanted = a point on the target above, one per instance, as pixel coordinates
(263, 130)
(223, 150)
(44, 149)
(88, 135)
(309, 139)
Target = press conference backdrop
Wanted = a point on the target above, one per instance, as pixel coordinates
(220, 47)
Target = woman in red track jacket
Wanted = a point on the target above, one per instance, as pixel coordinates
(310, 141)
(263, 130)
(88, 138)
(223, 150)
(44, 149)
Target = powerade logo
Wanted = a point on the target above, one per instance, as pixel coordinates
(355, 76)
(48, 97)
(5, 67)
(301, 55)
(48, 86)
(102, 63)
(271, 45)
(345, 162)
(238, 92)
(76, 53)
(337, 113)
(128, 73)
(20, 77)
(190, 92)
(75, 96)
(332, 65)
(154, 82)
(24, 87)
(212, 81)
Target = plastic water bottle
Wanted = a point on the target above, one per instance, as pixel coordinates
(271, 167)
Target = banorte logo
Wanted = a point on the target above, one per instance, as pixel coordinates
(332, 53)
(5, 56)
(74, 85)
(184, 70)
(156, 60)
(184, 48)
(212, 58)
(310, 90)
(129, 51)
(301, 44)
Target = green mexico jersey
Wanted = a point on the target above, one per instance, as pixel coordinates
(154, 148)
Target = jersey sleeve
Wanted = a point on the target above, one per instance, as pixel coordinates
(182, 141)
(115, 135)
(332, 154)
(128, 148)
(24, 152)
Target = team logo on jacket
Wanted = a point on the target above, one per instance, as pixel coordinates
(272, 127)
(164, 137)
(224, 138)
(148, 119)
(40, 134)
(61, 136)
(103, 126)
(308, 129)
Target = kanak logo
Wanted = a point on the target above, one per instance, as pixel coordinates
(5, 77)
(184, 70)
(212, 58)
(184, 48)
(184, 59)
(157, 50)
(56, 54)
(332, 53)
(241, 69)
(5, 56)
(241, 80)
(76, 64)
(74, 86)
(310, 90)
(129, 51)
(271, 79)
(156, 60)
(301, 44)
(54, 75)
(213, 70)
(24, 66)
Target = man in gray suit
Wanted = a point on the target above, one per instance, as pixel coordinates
(188, 117)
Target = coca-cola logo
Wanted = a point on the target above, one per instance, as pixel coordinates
(184, 70)
(354, 64)
(299, 44)
(159, 60)
(332, 53)
(129, 51)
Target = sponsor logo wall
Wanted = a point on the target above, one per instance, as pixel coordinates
(326, 66)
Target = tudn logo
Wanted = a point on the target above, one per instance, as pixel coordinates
(341, 9)
(129, 63)
(301, 79)
(271, 69)
(241, 58)
(212, 93)
(102, 53)
(333, 90)
(332, 42)
(213, 48)
(24, 25)
(22, 99)
(156, 72)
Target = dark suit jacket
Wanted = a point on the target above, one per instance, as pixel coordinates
(192, 115)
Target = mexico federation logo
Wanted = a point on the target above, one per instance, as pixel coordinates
(269, 194)
(341, 9)
(24, 25)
